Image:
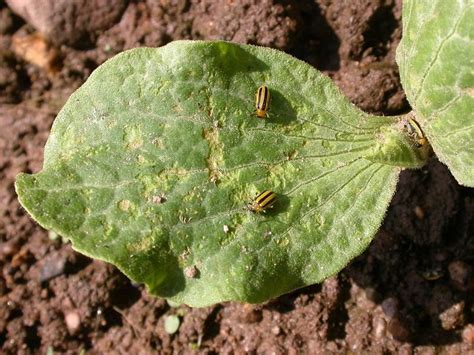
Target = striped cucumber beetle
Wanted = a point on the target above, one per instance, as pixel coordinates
(262, 101)
(415, 131)
(433, 273)
(264, 200)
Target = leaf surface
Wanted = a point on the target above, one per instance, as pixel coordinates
(151, 163)
(436, 59)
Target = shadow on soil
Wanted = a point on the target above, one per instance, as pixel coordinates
(321, 44)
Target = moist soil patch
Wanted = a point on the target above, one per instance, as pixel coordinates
(410, 291)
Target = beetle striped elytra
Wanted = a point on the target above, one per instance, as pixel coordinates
(262, 101)
(433, 273)
(263, 201)
(415, 130)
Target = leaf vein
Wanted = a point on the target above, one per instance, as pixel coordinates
(436, 56)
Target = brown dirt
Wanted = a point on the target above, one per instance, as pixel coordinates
(410, 291)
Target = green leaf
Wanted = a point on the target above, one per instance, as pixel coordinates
(151, 163)
(436, 59)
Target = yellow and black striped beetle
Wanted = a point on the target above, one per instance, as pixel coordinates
(414, 130)
(433, 273)
(262, 202)
(262, 101)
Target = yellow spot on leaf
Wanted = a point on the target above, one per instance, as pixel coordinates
(133, 137)
(124, 205)
(141, 245)
(214, 159)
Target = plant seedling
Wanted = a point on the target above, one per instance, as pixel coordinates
(152, 122)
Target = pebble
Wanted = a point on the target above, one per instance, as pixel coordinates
(461, 275)
(172, 323)
(34, 49)
(453, 317)
(73, 321)
(69, 22)
(379, 325)
(54, 266)
(276, 330)
(468, 334)
(390, 307)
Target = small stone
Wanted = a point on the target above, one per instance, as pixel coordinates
(390, 307)
(276, 330)
(52, 235)
(461, 275)
(53, 266)
(468, 334)
(172, 324)
(34, 49)
(69, 22)
(191, 272)
(73, 321)
(453, 317)
(379, 325)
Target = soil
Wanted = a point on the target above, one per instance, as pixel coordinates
(411, 291)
